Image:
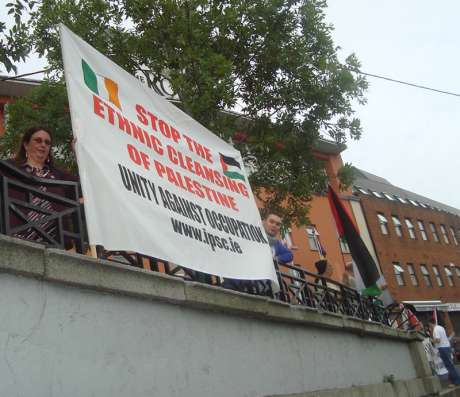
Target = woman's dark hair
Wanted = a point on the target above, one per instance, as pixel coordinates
(21, 157)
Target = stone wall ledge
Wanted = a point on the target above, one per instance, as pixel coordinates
(418, 387)
(33, 260)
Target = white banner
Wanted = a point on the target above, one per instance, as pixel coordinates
(154, 180)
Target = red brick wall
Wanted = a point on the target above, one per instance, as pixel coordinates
(391, 248)
(321, 217)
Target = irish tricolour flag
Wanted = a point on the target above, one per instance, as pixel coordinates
(231, 167)
(100, 85)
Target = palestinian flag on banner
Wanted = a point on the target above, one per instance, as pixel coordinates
(231, 167)
(359, 252)
(100, 85)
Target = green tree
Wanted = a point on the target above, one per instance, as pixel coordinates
(14, 42)
(273, 61)
(45, 106)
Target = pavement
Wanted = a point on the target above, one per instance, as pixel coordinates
(446, 392)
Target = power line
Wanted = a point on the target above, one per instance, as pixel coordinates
(25, 75)
(423, 87)
(404, 83)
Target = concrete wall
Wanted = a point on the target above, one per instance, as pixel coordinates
(74, 326)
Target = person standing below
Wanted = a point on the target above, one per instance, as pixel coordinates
(441, 342)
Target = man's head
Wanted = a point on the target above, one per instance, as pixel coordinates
(272, 224)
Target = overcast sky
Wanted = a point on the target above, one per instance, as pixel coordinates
(410, 136)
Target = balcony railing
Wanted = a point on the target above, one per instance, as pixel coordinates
(60, 224)
(38, 209)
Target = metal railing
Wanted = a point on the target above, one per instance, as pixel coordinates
(43, 210)
(60, 224)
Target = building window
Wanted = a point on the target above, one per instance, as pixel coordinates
(434, 232)
(362, 190)
(426, 276)
(401, 200)
(449, 276)
(376, 194)
(413, 202)
(454, 237)
(344, 245)
(437, 276)
(410, 228)
(313, 241)
(398, 227)
(399, 274)
(444, 234)
(422, 205)
(286, 236)
(457, 270)
(388, 196)
(421, 227)
(412, 275)
(383, 223)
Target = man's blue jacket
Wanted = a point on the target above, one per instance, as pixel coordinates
(282, 253)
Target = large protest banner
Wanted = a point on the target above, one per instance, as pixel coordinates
(154, 180)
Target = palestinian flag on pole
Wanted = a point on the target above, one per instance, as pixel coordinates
(231, 167)
(359, 252)
(100, 85)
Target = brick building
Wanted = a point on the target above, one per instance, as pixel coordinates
(416, 242)
(321, 234)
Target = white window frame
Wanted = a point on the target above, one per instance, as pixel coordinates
(437, 275)
(383, 222)
(444, 233)
(454, 237)
(362, 190)
(413, 202)
(344, 245)
(313, 242)
(399, 274)
(401, 200)
(286, 236)
(376, 194)
(388, 196)
(410, 228)
(421, 228)
(412, 274)
(434, 232)
(397, 224)
(426, 275)
(449, 276)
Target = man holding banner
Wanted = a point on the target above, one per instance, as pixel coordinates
(281, 254)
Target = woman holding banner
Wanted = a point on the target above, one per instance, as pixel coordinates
(35, 157)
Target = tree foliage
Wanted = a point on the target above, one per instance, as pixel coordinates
(273, 61)
(44, 106)
(14, 42)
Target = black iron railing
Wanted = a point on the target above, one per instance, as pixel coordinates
(60, 224)
(39, 209)
(298, 286)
